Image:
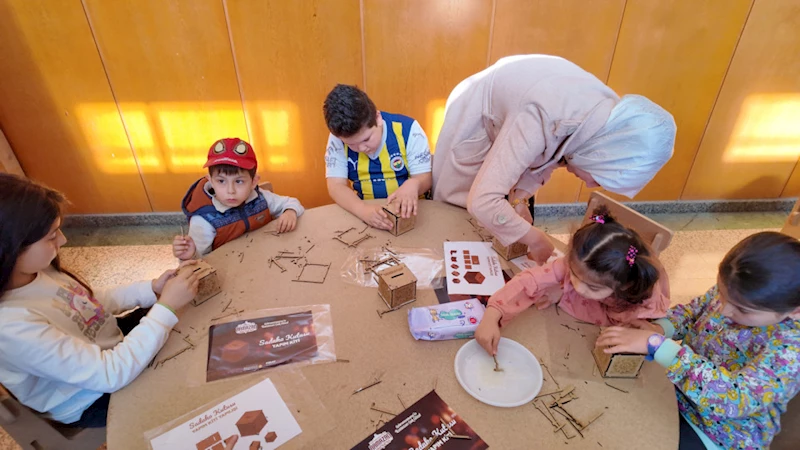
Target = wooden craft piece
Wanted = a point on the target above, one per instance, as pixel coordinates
(510, 252)
(213, 442)
(655, 234)
(397, 285)
(618, 365)
(209, 281)
(792, 224)
(401, 225)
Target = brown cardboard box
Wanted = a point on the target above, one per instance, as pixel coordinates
(209, 282)
(397, 285)
(400, 225)
(618, 365)
(251, 423)
(514, 250)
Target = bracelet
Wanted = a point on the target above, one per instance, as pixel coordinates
(526, 200)
(168, 307)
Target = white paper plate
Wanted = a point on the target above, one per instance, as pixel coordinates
(518, 384)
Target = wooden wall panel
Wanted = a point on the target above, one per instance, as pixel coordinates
(559, 28)
(290, 55)
(171, 69)
(49, 74)
(752, 142)
(417, 51)
(676, 53)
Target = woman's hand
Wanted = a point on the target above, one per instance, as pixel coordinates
(540, 249)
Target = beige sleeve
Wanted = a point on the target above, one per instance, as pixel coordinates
(517, 147)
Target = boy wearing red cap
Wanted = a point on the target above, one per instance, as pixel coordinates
(228, 202)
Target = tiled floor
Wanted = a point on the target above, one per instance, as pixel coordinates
(126, 254)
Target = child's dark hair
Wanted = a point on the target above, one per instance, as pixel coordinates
(27, 213)
(763, 272)
(347, 109)
(227, 169)
(603, 246)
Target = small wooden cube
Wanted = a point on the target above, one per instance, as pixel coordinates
(618, 365)
(270, 437)
(255, 445)
(209, 282)
(251, 423)
(397, 285)
(400, 225)
(514, 250)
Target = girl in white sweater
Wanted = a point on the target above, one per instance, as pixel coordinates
(61, 350)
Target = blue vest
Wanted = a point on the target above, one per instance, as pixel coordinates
(380, 177)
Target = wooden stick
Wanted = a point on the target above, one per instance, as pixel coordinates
(549, 393)
(381, 411)
(342, 360)
(593, 419)
(551, 376)
(558, 410)
(365, 387)
(614, 387)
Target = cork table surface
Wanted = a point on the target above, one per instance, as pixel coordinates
(640, 413)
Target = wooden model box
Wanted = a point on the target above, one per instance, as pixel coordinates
(618, 365)
(397, 285)
(514, 250)
(209, 282)
(400, 225)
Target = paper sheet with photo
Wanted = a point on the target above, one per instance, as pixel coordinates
(428, 424)
(472, 268)
(257, 414)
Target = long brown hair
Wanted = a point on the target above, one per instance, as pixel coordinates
(28, 211)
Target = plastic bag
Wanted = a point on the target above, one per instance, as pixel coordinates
(426, 264)
(266, 339)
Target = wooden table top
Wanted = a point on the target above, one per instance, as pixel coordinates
(643, 417)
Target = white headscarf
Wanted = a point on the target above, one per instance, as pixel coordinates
(633, 145)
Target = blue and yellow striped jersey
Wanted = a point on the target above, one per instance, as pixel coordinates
(380, 177)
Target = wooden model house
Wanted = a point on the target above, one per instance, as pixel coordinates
(397, 285)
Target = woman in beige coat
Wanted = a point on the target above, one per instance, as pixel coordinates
(508, 127)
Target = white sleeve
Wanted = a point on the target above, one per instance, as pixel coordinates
(280, 203)
(418, 150)
(42, 350)
(116, 299)
(202, 233)
(335, 158)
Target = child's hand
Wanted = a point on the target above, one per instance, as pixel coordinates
(547, 300)
(375, 216)
(624, 340)
(407, 196)
(158, 283)
(180, 289)
(183, 248)
(488, 332)
(287, 221)
(647, 325)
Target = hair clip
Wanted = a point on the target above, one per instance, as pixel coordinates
(599, 219)
(631, 257)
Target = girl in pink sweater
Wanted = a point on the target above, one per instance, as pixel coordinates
(609, 276)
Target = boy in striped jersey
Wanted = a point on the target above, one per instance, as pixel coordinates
(373, 154)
